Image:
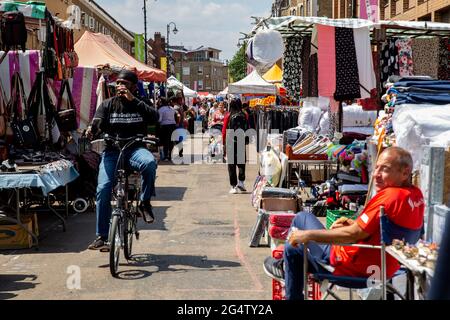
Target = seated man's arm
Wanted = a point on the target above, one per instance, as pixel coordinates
(345, 235)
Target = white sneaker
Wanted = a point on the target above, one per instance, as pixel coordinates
(234, 190)
(241, 186)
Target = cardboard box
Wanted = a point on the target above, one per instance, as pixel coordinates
(279, 204)
(13, 236)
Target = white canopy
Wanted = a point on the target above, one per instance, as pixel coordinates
(252, 84)
(223, 93)
(173, 83)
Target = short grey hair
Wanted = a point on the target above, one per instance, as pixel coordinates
(403, 159)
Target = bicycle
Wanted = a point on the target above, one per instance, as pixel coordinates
(123, 226)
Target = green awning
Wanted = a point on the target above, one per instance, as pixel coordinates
(31, 9)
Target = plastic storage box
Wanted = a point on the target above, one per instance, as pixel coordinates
(333, 215)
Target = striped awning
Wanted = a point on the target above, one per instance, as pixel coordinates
(294, 25)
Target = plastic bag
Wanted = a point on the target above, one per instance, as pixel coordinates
(271, 167)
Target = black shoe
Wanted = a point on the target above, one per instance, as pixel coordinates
(147, 212)
(274, 268)
(99, 244)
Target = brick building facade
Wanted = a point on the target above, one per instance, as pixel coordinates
(304, 8)
(407, 10)
(200, 69)
(94, 18)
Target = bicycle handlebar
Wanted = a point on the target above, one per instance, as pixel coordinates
(138, 138)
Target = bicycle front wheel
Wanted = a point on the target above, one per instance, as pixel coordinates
(115, 244)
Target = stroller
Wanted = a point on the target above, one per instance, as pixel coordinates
(215, 146)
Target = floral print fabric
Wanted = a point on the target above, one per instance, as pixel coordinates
(292, 66)
(405, 59)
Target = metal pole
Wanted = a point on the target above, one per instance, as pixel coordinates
(167, 51)
(305, 271)
(383, 256)
(145, 31)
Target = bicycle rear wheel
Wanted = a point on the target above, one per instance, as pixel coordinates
(129, 232)
(115, 244)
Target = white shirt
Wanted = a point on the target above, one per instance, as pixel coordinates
(166, 115)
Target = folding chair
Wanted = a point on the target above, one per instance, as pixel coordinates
(389, 232)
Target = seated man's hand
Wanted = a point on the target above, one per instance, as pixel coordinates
(298, 237)
(342, 222)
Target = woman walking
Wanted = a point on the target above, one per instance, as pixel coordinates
(167, 116)
(233, 135)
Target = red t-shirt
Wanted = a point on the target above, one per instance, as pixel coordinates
(404, 207)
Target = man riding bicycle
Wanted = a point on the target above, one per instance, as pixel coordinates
(123, 116)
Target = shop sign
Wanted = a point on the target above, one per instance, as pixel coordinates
(268, 101)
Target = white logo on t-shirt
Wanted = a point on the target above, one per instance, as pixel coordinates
(365, 218)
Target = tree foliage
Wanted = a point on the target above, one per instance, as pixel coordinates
(238, 65)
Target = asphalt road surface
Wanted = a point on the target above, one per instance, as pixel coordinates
(197, 249)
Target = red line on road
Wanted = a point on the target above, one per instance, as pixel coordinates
(219, 290)
(240, 254)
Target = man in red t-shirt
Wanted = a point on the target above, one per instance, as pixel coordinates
(404, 206)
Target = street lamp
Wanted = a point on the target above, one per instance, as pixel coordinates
(175, 31)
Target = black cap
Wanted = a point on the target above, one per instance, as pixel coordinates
(128, 76)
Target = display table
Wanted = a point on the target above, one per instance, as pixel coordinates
(47, 178)
(415, 271)
(326, 166)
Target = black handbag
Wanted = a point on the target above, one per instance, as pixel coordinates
(67, 119)
(24, 130)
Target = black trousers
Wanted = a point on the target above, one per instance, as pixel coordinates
(233, 175)
(166, 139)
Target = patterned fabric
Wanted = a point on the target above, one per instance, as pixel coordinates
(347, 76)
(444, 59)
(334, 119)
(389, 60)
(292, 66)
(426, 57)
(405, 61)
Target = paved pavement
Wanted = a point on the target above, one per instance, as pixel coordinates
(197, 249)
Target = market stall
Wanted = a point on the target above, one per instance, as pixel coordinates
(336, 72)
(40, 118)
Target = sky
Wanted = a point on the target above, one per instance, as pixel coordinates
(214, 23)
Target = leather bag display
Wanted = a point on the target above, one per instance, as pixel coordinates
(24, 130)
(67, 119)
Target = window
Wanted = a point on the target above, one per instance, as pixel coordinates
(186, 71)
(294, 12)
(200, 70)
(187, 84)
(308, 9)
(91, 23)
(200, 84)
(302, 11)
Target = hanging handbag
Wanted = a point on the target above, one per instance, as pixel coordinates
(67, 119)
(24, 130)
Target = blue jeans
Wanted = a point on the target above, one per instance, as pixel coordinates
(140, 160)
(293, 257)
